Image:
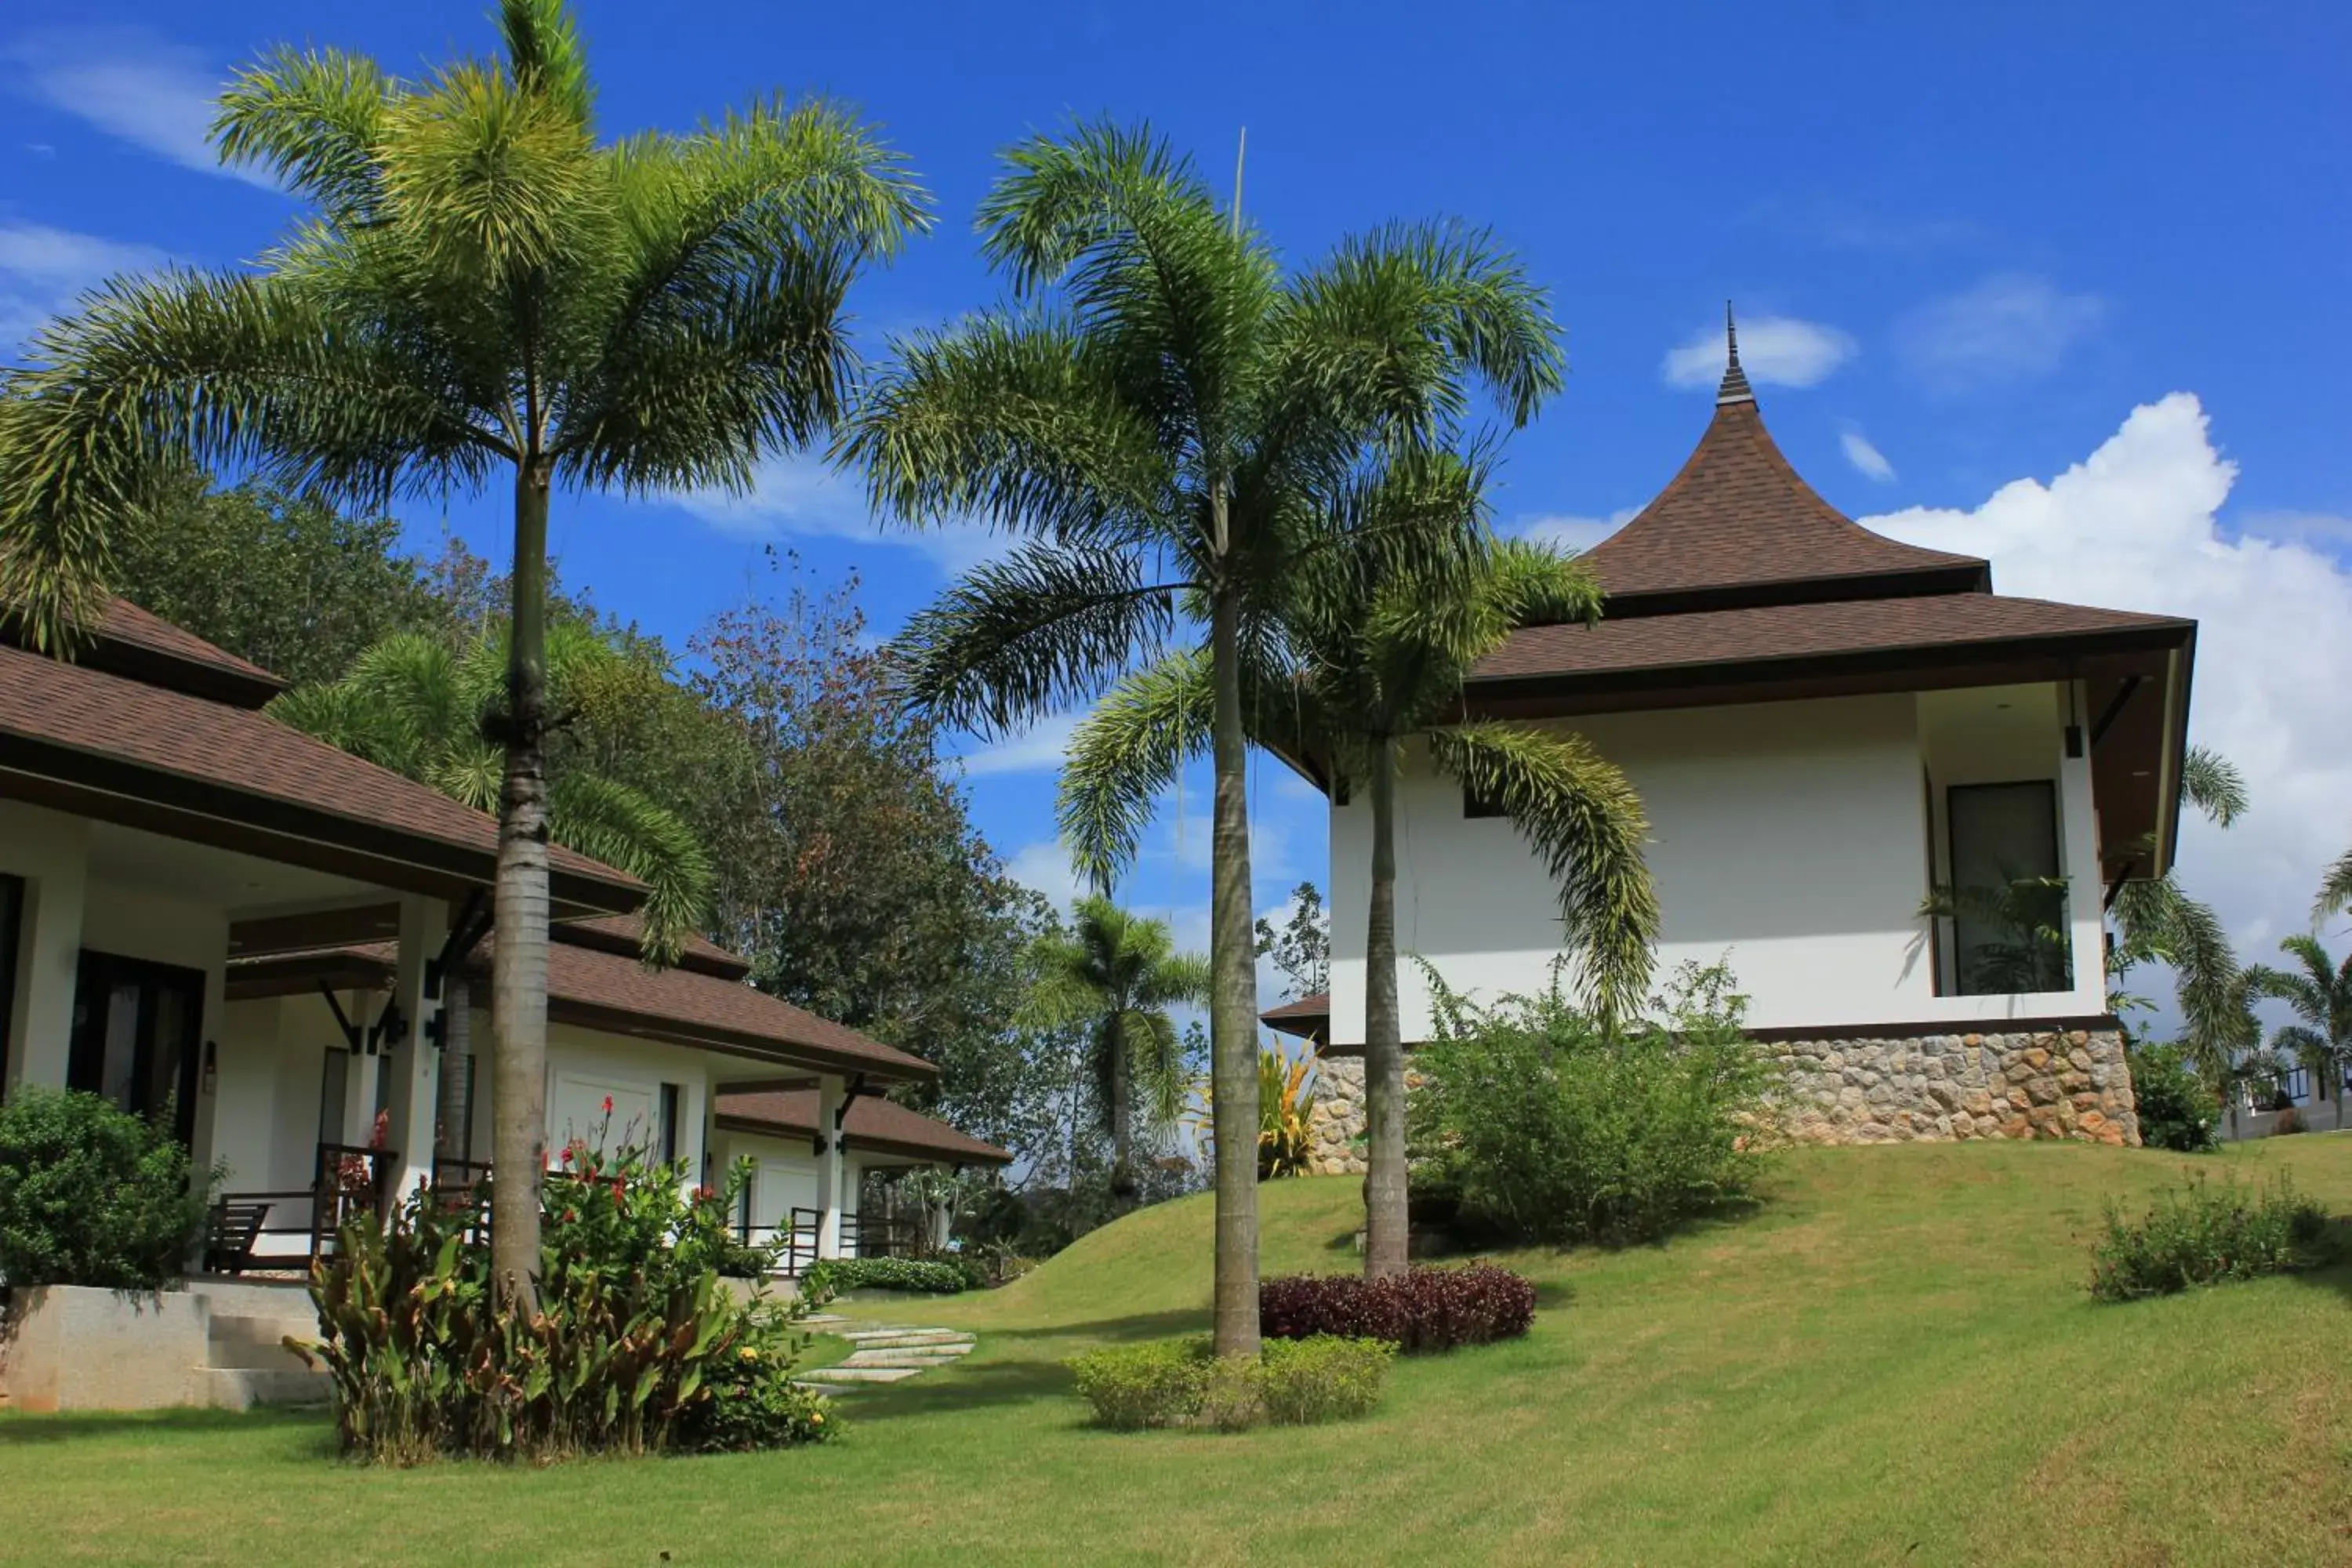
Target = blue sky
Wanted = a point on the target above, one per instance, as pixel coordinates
(1967, 243)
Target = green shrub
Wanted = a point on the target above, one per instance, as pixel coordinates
(635, 1346)
(1542, 1126)
(2203, 1235)
(933, 1276)
(2176, 1110)
(1178, 1382)
(91, 1194)
(1135, 1387)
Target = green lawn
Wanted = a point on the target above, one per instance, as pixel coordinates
(1893, 1360)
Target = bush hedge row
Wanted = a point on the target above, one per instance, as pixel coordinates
(1422, 1310)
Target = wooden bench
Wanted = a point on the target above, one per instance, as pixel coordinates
(229, 1237)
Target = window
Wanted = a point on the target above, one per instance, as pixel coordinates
(2008, 903)
(12, 918)
(1476, 804)
(667, 1115)
(135, 1028)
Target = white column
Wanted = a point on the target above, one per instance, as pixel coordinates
(943, 1218)
(358, 1079)
(51, 852)
(2086, 891)
(829, 1092)
(416, 1060)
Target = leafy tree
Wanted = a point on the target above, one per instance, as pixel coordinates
(2320, 996)
(414, 704)
(1301, 946)
(1115, 975)
(483, 293)
(1173, 424)
(1383, 659)
(282, 579)
(848, 872)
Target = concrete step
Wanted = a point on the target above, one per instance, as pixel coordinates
(237, 1341)
(895, 1339)
(937, 1355)
(826, 1375)
(243, 1387)
(248, 1297)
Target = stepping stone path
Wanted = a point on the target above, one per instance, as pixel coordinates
(885, 1352)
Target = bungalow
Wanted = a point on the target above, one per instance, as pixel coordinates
(207, 913)
(1826, 727)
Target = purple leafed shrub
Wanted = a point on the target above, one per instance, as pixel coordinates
(1420, 1309)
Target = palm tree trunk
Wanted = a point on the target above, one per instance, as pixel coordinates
(1232, 994)
(1385, 1216)
(1122, 1120)
(519, 956)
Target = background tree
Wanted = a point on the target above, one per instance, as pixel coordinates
(2319, 993)
(1383, 659)
(1115, 975)
(278, 578)
(1171, 424)
(482, 293)
(1300, 946)
(849, 873)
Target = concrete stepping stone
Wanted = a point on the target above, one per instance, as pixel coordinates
(943, 1357)
(846, 1373)
(911, 1342)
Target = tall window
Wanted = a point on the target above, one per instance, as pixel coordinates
(135, 1028)
(667, 1114)
(12, 920)
(2009, 930)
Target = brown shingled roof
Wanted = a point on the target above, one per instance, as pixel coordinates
(126, 751)
(1769, 633)
(1738, 517)
(126, 622)
(592, 987)
(872, 1124)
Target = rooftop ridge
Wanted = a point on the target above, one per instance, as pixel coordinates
(1735, 387)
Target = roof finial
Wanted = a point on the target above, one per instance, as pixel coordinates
(1735, 387)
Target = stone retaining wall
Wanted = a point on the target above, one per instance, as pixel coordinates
(2035, 1084)
(2032, 1085)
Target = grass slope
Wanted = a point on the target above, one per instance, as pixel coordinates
(1892, 1360)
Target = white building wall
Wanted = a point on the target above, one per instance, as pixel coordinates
(51, 852)
(1790, 839)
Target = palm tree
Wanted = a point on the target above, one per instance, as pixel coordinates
(1115, 975)
(1173, 424)
(2157, 920)
(2335, 891)
(483, 293)
(2321, 999)
(415, 705)
(1383, 658)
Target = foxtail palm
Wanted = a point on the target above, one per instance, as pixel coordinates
(1383, 658)
(2320, 995)
(414, 704)
(482, 292)
(1173, 424)
(1115, 975)
(2157, 920)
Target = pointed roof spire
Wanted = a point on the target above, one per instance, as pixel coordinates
(1735, 387)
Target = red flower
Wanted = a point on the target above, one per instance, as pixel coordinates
(608, 1105)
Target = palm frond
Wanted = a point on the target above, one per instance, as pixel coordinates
(315, 119)
(2335, 891)
(1584, 821)
(1036, 632)
(1123, 754)
(2212, 784)
(1155, 1057)
(622, 827)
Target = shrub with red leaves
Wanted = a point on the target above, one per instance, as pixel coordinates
(1420, 1309)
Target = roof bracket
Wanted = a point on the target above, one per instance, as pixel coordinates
(826, 1135)
(342, 1019)
(2115, 888)
(2115, 707)
(465, 933)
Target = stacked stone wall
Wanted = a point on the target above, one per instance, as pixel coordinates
(2073, 1084)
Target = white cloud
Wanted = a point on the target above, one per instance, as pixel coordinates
(1041, 745)
(1867, 459)
(44, 270)
(1775, 351)
(2135, 526)
(2011, 327)
(1567, 530)
(131, 83)
(1046, 867)
(801, 495)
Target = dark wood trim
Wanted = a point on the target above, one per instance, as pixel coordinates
(1922, 1029)
(1910, 583)
(814, 1058)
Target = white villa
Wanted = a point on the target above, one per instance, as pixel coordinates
(1825, 725)
(204, 908)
